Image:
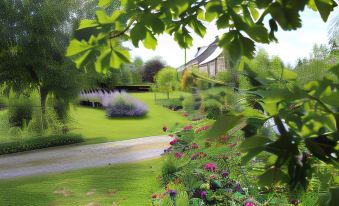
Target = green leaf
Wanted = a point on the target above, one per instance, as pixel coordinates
(123, 55)
(102, 63)
(272, 176)
(150, 41)
(332, 99)
(198, 27)
(323, 147)
(325, 7)
(138, 33)
(104, 3)
(224, 124)
(254, 142)
(223, 21)
(87, 23)
(77, 47)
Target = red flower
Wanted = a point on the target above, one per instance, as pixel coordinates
(171, 135)
(210, 167)
(188, 127)
(173, 142)
(164, 129)
(178, 155)
(154, 196)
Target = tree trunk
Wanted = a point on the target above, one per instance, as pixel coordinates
(43, 98)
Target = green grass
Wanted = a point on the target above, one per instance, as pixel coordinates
(134, 184)
(96, 127)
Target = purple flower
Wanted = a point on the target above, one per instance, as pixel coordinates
(172, 193)
(237, 187)
(225, 174)
(203, 194)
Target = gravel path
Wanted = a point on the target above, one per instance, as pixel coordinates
(61, 159)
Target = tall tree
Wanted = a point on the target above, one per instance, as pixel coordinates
(33, 39)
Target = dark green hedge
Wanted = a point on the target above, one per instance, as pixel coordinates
(39, 143)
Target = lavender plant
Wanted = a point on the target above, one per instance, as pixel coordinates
(124, 105)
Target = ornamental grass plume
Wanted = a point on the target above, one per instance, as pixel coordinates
(211, 167)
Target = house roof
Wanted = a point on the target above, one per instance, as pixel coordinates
(202, 54)
(213, 56)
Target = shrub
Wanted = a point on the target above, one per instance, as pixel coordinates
(202, 84)
(187, 80)
(20, 112)
(224, 77)
(39, 143)
(123, 105)
(167, 80)
(174, 104)
(212, 108)
(150, 69)
(188, 104)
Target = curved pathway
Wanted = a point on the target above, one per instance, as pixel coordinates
(66, 158)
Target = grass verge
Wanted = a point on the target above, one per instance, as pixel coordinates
(123, 185)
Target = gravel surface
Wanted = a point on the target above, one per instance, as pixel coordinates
(66, 158)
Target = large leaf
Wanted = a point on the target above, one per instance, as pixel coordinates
(254, 143)
(272, 176)
(224, 124)
(325, 7)
(138, 33)
(332, 99)
(323, 147)
(77, 47)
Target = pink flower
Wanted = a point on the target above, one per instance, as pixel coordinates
(188, 127)
(173, 142)
(178, 155)
(210, 167)
(249, 204)
(195, 146)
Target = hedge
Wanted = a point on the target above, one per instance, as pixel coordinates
(39, 143)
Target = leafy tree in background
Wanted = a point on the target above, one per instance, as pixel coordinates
(167, 80)
(151, 68)
(33, 40)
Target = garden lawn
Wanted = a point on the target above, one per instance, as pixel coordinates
(96, 127)
(123, 185)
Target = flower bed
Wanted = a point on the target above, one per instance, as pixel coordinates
(202, 171)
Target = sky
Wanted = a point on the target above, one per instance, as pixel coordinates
(291, 46)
